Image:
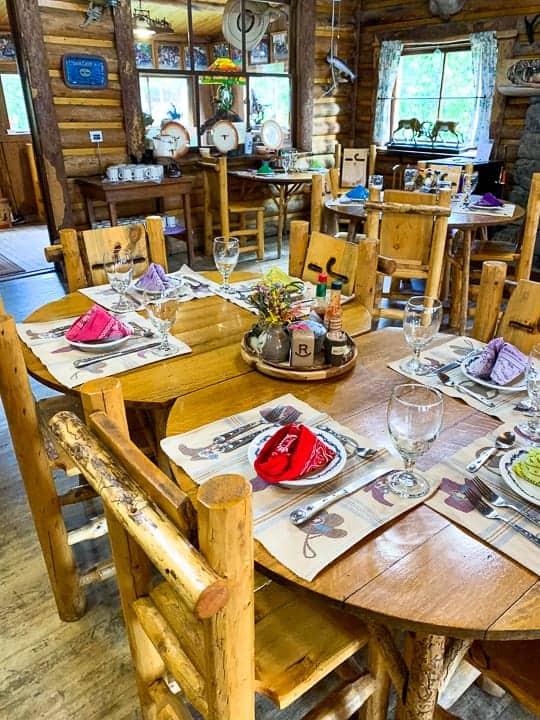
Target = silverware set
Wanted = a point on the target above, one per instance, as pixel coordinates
(490, 512)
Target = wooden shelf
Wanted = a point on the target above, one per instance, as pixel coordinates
(519, 90)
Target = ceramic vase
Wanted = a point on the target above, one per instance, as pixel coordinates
(276, 345)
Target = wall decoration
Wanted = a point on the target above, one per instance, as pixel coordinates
(144, 55)
(168, 56)
(221, 50)
(200, 55)
(280, 46)
(7, 48)
(84, 71)
(260, 54)
(236, 56)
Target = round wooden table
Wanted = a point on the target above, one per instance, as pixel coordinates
(282, 186)
(420, 573)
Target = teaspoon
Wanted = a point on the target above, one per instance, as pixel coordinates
(504, 441)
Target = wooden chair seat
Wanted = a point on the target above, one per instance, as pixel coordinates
(515, 666)
(201, 622)
(229, 217)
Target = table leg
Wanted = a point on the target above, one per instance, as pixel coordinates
(465, 277)
(424, 677)
(113, 216)
(90, 211)
(159, 423)
(189, 231)
(351, 232)
(282, 215)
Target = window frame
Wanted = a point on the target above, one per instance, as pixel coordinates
(193, 76)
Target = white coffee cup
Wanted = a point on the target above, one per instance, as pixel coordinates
(147, 172)
(112, 173)
(121, 172)
(138, 173)
(171, 220)
(156, 173)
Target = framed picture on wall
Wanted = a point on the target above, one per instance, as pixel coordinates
(280, 46)
(200, 57)
(7, 48)
(168, 56)
(260, 54)
(221, 50)
(144, 55)
(236, 56)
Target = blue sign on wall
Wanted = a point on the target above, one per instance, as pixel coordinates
(85, 71)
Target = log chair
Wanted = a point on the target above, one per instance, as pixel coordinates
(193, 614)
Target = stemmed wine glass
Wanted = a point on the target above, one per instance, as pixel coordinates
(421, 322)
(162, 308)
(531, 428)
(226, 252)
(118, 266)
(470, 181)
(285, 161)
(414, 418)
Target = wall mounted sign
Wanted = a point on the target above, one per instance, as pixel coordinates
(85, 71)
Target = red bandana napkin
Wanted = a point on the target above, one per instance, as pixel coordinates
(292, 452)
(97, 324)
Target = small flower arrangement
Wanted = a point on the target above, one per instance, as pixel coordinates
(274, 302)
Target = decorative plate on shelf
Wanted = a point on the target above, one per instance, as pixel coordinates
(271, 135)
(326, 473)
(225, 136)
(181, 136)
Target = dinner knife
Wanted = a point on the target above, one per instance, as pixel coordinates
(301, 514)
(84, 362)
(449, 366)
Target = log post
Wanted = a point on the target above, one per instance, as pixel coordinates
(305, 63)
(424, 677)
(156, 240)
(25, 21)
(298, 245)
(488, 307)
(366, 272)
(226, 540)
(316, 203)
(75, 274)
(523, 271)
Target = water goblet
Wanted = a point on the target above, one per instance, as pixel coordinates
(470, 181)
(414, 418)
(162, 307)
(531, 428)
(376, 181)
(226, 252)
(118, 266)
(285, 161)
(421, 321)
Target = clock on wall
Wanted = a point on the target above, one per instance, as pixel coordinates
(85, 71)
(225, 136)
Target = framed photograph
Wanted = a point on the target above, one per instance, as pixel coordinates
(221, 50)
(7, 48)
(144, 55)
(260, 54)
(200, 57)
(236, 56)
(168, 56)
(280, 46)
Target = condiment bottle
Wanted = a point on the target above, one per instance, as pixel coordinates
(319, 301)
(333, 318)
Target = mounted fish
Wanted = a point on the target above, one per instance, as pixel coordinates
(341, 72)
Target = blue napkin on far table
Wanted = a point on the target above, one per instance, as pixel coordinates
(358, 193)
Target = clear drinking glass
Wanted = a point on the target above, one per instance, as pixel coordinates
(285, 161)
(376, 181)
(162, 308)
(421, 322)
(470, 181)
(414, 418)
(531, 428)
(118, 265)
(226, 252)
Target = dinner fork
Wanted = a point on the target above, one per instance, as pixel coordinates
(499, 501)
(489, 512)
(362, 452)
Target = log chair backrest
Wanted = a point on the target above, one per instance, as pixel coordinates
(216, 189)
(192, 602)
(322, 188)
(530, 230)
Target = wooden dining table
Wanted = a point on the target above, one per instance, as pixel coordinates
(282, 187)
(211, 326)
(420, 573)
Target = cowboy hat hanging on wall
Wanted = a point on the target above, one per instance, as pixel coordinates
(256, 19)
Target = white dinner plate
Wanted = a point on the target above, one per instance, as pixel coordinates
(98, 346)
(517, 385)
(522, 487)
(316, 478)
(491, 208)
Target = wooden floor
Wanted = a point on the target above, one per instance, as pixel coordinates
(50, 670)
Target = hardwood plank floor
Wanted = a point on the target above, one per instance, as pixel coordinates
(51, 670)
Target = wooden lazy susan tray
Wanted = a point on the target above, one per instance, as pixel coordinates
(286, 372)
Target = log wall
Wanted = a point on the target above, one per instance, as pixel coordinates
(411, 20)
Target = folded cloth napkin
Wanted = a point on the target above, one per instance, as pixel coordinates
(154, 279)
(97, 324)
(500, 362)
(292, 452)
(489, 200)
(358, 193)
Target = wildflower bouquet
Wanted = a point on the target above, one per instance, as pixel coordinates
(275, 302)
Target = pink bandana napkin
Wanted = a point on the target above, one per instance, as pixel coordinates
(97, 324)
